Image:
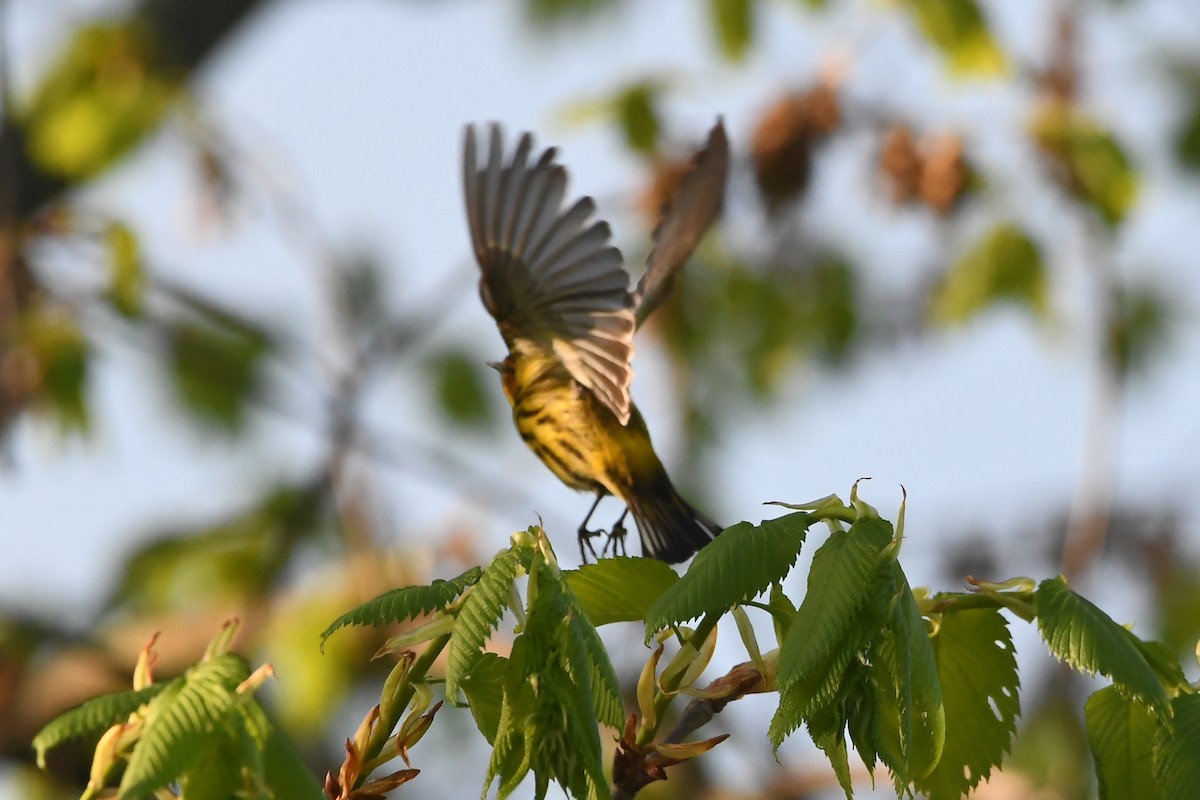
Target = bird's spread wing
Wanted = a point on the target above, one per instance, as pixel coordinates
(549, 275)
(686, 217)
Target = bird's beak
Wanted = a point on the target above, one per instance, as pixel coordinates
(496, 365)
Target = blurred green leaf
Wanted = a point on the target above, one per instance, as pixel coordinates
(636, 110)
(458, 380)
(102, 96)
(1052, 752)
(733, 22)
(1187, 143)
(1137, 327)
(1005, 264)
(548, 12)
(53, 355)
(234, 559)
(1089, 161)
(957, 28)
(750, 327)
(216, 370)
(126, 280)
(317, 680)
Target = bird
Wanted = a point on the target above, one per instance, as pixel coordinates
(560, 295)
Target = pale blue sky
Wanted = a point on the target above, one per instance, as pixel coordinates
(356, 110)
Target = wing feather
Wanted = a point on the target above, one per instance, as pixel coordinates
(549, 274)
(686, 217)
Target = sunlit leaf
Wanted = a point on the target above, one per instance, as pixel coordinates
(180, 721)
(127, 281)
(621, 588)
(1088, 160)
(102, 96)
(1082, 635)
(480, 614)
(977, 669)
(91, 718)
(409, 602)
(1004, 265)
(958, 29)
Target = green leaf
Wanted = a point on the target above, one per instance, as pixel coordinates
(458, 386)
(1177, 750)
(104, 94)
(732, 569)
(733, 22)
(814, 696)
(477, 618)
(839, 582)
(218, 770)
(636, 109)
(916, 682)
(409, 602)
(216, 370)
(60, 355)
(91, 718)
(1120, 733)
(977, 671)
(957, 28)
(484, 690)
(1004, 265)
(1137, 325)
(606, 689)
(1082, 635)
(286, 771)
(551, 12)
(548, 723)
(237, 558)
(180, 721)
(1091, 163)
(828, 630)
(1187, 142)
(782, 612)
(127, 282)
(619, 589)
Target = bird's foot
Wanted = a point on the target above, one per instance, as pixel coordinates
(616, 539)
(585, 541)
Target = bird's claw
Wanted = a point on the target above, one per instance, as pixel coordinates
(616, 540)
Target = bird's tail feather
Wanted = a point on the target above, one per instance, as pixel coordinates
(671, 530)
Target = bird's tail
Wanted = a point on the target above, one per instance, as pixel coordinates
(670, 528)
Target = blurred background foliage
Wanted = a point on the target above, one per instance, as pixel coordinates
(766, 298)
